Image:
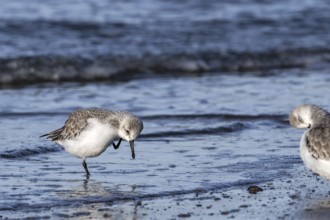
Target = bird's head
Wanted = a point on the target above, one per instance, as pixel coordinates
(309, 116)
(130, 129)
(300, 117)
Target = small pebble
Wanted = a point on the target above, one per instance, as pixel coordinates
(254, 189)
(186, 215)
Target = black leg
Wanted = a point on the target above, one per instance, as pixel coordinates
(85, 166)
(116, 146)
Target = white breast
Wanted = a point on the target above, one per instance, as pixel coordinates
(92, 141)
(319, 166)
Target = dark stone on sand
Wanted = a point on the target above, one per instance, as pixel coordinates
(254, 189)
(184, 215)
(106, 215)
(225, 196)
(294, 196)
(103, 209)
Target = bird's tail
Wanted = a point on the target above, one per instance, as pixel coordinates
(54, 135)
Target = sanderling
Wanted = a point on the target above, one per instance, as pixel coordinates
(88, 132)
(315, 142)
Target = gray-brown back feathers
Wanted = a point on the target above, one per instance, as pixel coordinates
(318, 142)
(78, 121)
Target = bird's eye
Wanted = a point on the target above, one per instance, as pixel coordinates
(300, 119)
(127, 132)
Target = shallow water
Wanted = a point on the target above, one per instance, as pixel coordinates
(202, 134)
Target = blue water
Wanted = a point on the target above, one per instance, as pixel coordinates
(47, 41)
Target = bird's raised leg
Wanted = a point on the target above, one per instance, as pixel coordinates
(85, 166)
(116, 146)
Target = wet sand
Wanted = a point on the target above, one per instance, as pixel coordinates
(301, 195)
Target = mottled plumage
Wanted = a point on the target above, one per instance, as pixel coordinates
(318, 142)
(315, 142)
(77, 121)
(88, 132)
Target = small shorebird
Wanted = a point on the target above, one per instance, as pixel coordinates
(88, 132)
(315, 142)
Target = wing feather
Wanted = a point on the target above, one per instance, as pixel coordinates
(76, 123)
(318, 142)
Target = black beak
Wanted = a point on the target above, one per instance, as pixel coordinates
(131, 143)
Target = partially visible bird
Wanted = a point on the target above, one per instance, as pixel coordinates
(88, 132)
(315, 142)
